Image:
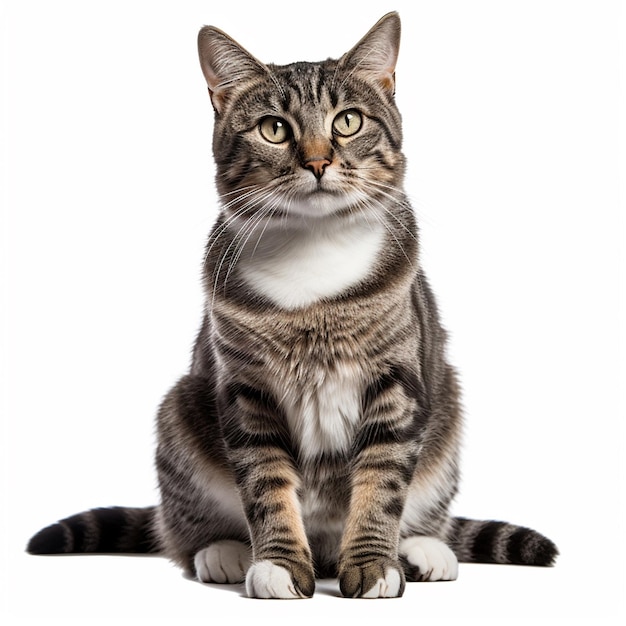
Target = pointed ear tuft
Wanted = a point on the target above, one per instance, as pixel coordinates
(225, 64)
(377, 53)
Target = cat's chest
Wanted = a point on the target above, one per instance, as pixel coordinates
(323, 411)
(299, 268)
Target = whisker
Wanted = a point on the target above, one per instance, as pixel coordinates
(215, 236)
(263, 203)
(258, 241)
(255, 221)
(424, 208)
(251, 197)
(369, 205)
(391, 214)
(252, 204)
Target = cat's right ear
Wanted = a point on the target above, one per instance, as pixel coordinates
(225, 65)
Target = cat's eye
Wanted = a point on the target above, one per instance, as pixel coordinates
(348, 123)
(274, 130)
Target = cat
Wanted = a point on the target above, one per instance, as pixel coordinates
(317, 432)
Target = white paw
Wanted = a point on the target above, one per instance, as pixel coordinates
(268, 580)
(432, 557)
(223, 562)
(387, 587)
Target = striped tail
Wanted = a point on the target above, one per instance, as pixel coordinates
(130, 531)
(499, 542)
(99, 531)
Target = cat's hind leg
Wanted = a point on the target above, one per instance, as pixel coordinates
(201, 522)
(428, 559)
(224, 561)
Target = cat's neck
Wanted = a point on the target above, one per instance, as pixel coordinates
(307, 260)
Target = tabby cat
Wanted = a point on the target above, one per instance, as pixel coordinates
(317, 431)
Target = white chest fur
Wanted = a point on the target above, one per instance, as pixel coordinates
(298, 267)
(323, 415)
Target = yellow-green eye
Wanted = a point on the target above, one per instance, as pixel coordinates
(347, 123)
(274, 129)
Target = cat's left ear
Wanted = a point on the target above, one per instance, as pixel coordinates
(377, 53)
(225, 65)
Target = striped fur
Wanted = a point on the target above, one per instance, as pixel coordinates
(317, 432)
(99, 531)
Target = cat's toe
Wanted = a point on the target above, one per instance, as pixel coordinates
(429, 559)
(223, 562)
(266, 579)
(377, 579)
(388, 587)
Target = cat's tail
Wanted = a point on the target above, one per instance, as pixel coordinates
(499, 542)
(100, 531)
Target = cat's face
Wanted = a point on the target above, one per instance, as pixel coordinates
(306, 139)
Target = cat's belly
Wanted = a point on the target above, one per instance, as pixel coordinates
(325, 497)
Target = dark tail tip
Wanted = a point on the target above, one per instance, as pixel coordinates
(545, 553)
(50, 540)
(528, 547)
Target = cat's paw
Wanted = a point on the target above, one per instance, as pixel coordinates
(266, 579)
(223, 562)
(382, 578)
(429, 559)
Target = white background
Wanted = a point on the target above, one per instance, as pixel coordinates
(511, 132)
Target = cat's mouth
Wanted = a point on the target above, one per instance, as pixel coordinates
(316, 195)
(321, 203)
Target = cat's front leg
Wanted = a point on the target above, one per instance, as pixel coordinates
(369, 566)
(282, 564)
(386, 453)
(268, 481)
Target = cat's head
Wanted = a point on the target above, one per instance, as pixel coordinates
(305, 139)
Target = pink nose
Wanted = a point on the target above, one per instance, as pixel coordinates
(317, 166)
